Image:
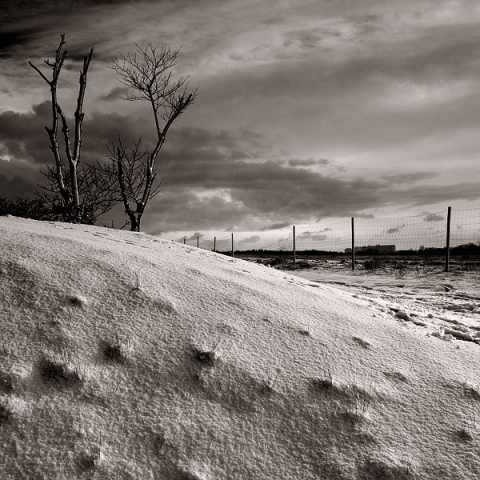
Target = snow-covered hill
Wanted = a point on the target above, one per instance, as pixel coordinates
(125, 356)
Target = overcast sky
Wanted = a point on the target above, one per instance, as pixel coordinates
(307, 109)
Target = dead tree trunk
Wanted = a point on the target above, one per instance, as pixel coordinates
(69, 191)
(148, 73)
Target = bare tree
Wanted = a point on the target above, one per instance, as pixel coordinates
(97, 190)
(81, 192)
(148, 72)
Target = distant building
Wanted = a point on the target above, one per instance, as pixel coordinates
(373, 249)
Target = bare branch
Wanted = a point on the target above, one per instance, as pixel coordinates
(40, 73)
(81, 193)
(79, 115)
(148, 72)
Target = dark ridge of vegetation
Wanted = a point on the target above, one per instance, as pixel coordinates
(26, 207)
(464, 249)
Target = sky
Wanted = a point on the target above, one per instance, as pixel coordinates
(307, 111)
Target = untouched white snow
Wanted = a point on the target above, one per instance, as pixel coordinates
(125, 356)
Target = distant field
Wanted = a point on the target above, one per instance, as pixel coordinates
(397, 265)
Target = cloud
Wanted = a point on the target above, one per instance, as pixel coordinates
(275, 226)
(252, 239)
(407, 178)
(115, 94)
(194, 236)
(353, 84)
(23, 135)
(309, 162)
(433, 217)
(219, 178)
(315, 237)
(394, 229)
(17, 180)
(388, 91)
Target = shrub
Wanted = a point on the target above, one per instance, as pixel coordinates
(372, 264)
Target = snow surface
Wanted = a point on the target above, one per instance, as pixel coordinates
(125, 356)
(443, 303)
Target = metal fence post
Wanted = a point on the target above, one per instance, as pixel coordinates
(353, 243)
(294, 247)
(214, 244)
(233, 251)
(184, 240)
(447, 253)
(198, 241)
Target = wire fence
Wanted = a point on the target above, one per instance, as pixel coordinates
(435, 238)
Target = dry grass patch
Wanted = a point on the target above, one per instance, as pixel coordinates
(6, 383)
(379, 470)
(5, 412)
(55, 371)
(115, 350)
(396, 377)
(361, 342)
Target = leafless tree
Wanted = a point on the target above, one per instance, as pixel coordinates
(81, 192)
(97, 190)
(148, 72)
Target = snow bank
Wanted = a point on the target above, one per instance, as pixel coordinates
(126, 356)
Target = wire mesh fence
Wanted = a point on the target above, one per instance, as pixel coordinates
(442, 239)
(465, 227)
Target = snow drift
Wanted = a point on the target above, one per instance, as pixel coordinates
(126, 356)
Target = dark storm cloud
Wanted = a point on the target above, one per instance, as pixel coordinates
(222, 161)
(275, 226)
(392, 230)
(244, 190)
(260, 191)
(309, 162)
(8, 40)
(430, 194)
(433, 217)
(23, 137)
(387, 84)
(312, 236)
(402, 178)
(18, 180)
(32, 28)
(24, 24)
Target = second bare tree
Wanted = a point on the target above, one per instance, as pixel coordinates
(148, 72)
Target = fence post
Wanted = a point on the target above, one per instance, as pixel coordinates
(214, 244)
(184, 240)
(233, 251)
(447, 253)
(198, 241)
(353, 243)
(294, 249)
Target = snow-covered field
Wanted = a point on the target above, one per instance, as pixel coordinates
(125, 356)
(445, 305)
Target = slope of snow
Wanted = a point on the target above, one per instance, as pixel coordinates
(125, 356)
(445, 305)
